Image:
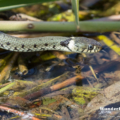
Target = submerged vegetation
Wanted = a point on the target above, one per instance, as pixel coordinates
(60, 85)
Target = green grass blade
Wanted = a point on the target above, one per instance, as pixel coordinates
(10, 4)
(75, 7)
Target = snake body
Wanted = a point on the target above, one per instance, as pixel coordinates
(70, 44)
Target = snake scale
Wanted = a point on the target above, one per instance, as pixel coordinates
(70, 44)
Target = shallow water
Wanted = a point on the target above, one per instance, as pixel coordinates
(55, 89)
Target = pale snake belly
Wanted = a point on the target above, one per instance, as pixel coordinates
(58, 43)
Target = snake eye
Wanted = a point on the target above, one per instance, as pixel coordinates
(90, 47)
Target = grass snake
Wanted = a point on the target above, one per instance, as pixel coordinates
(58, 43)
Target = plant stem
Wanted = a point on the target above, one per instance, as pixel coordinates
(7, 87)
(75, 7)
(85, 26)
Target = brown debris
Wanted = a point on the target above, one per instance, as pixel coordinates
(59, 55)
(104, 66)
(66, 83)
(115, 38)
(18, 112)
(65, 113)
(53, 88)
(108, 96)
(4, 60)
(22, 66)
(4, 75)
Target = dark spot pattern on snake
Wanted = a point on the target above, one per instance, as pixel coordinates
(23, 45)
(2, 45)
(8, 43)
(35, 46)
(65, 43)
(15, 48)
(54, 46)
(46, 44)
(29, 50)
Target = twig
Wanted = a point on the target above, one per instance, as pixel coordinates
(7, 87)
(53, 88)
(66, 83)
(3, 85)
(109, 18)
(24, 16)
(84, 55)
(43, 85)
(30, 116)
(103, 67)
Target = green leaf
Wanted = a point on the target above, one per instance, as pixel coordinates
(10, 4)
(75, 7)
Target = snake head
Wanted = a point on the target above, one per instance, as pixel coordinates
(87, 45)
